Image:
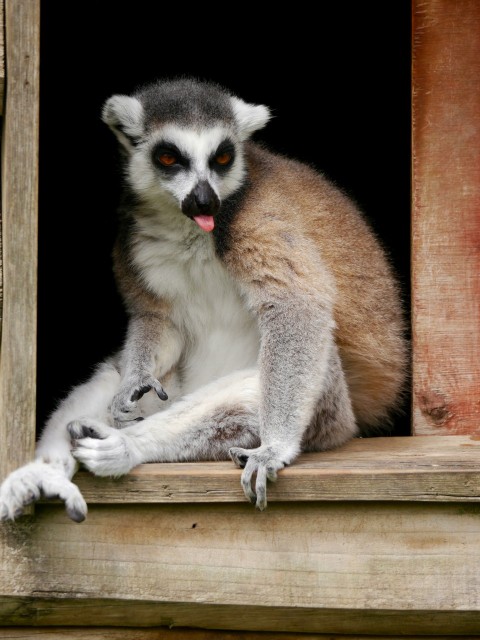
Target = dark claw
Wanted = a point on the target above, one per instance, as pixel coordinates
(242, 459)
(161, 394)
(138, 393)
(75, 515)
(81, 431)
(139, 419)
(89, 432)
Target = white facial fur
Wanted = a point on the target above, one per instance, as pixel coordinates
(125, 116)
(197, 145)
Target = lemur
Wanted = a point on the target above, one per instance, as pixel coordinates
(264, 316)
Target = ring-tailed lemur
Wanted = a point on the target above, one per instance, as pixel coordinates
(259, 300)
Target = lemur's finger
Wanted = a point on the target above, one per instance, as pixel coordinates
(246, 481)
(261, 487)
(160, 391)
(88, 428)
(140, 392)
(271, 471)
(145, 388)
(239, 456)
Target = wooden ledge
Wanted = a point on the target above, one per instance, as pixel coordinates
(420, 468)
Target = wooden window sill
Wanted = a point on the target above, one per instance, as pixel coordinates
(420, 468)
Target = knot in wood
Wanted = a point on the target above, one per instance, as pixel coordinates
(435, 406)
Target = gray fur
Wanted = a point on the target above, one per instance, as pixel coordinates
(185, 102)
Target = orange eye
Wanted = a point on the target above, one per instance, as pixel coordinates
(167, 159)
(223, 158)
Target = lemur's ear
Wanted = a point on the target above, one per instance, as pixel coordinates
(249, 117)
(124, 116)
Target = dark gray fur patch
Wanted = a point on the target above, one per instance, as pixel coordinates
(186, 101)
(212, 437)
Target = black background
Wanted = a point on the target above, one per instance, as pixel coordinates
(337, 78)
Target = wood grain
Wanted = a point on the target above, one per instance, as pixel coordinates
(2, 54)
(441, 469)
(19, 231)
(446, 218)
(2, 93)
(310, 567)
(137, 633)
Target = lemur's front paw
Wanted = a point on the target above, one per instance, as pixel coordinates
(29, 483)
(125, 410)
(264, 461)
(101, 449)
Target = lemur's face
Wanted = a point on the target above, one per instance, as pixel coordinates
(184, 145)
(197, 168)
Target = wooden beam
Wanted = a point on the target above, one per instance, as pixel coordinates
(19, 235)
(446, 220)
(2, 54)
(443, 469)
(299, 567)
(138, 633)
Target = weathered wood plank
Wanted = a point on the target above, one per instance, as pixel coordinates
(412, 469)
(19, 231)
(137, 633)
(446, 220)
(457, 624)
(2, 54)
(310, 567)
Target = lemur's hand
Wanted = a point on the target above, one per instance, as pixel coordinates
(101, 449)
(41, 479)
(125, 409)
(264, 461)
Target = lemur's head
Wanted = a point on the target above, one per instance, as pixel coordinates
(183, 142)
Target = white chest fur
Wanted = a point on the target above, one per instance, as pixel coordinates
(221, 335)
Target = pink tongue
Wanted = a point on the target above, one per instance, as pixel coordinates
(206, 223)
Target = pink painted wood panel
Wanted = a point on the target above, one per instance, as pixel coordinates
(446, 217)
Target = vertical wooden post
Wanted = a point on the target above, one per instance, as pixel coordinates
(2, 90)
(446, 216)
(2, 53)
(19, 234)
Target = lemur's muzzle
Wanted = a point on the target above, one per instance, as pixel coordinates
(202, 204)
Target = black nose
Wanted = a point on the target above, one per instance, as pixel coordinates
(202, 199)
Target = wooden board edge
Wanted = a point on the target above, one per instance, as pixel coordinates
(16, 611)
(416, 469)
(141, 633)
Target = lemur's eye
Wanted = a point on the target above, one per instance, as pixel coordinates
(167, 159)
(223, 158)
